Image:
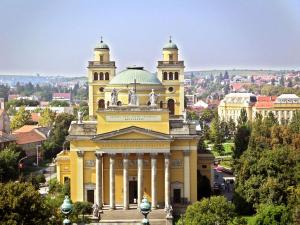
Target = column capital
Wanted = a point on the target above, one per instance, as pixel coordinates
(186, 152)
(80, 153)
(111, 155)
(125, 155)
(98, 155)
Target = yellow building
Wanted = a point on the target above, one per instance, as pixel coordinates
(137, 142)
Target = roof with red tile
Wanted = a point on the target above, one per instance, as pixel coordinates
(35, 117)
(265, 101)
(28, 134)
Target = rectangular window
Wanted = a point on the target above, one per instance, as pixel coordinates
(170, 57)
(101, 58)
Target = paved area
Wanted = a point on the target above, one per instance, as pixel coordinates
(226, 187)
(131, 216)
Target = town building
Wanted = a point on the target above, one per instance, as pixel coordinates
(30, 138)
(283, 107)
(138, 142)
(61, 97)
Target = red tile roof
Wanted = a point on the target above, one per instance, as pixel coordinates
(28, 134)
(265, 101)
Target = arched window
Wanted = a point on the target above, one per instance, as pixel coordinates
(165, 76)
(119, 103)
(101, 104)
(101, 76)
(171, 106)
(176, 76)
(106, 76)
(161, 104)
(170, 76)
(95, 76)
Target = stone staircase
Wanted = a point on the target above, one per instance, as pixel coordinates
(132, 216)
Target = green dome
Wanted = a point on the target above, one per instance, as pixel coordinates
(170, 45)
(102, 45)
(135, 73)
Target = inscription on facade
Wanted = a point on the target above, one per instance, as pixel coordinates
(176, 163)
(124, 118)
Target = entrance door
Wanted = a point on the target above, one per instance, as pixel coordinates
(90, 196)
(132, 191)
(176, 194)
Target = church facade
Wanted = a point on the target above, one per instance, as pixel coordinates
(137, 142)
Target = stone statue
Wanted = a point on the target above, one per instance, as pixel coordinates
(95, 211)
(79, 117)
(132, 97)
(184, 115)
(169, 211)
(114, 97)
(153, 98)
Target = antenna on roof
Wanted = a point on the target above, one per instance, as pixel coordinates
(101, 39)
(170, 39)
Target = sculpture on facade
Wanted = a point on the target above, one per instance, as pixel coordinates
(169, 211)
(132, 98)
(114, 97)
(79, 117)
(153, 98)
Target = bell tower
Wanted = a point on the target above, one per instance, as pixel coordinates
(170, 72)
(100, 71)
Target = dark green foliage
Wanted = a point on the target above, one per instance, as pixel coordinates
(267, 176)
(57, 103)
(8, 164)
(58, 134)
(81, 209)
(243, 118)
(219, 148)
(273, 215)
(21, 204)
(209, 211)
(201, 145)
(295, 122)
(241, 141)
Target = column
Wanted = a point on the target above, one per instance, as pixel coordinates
(125, 182)
(80, 188)
(99, 199)
(140, 178)
(167, 180)
(186, 172)
(112, 204)
(153, 180)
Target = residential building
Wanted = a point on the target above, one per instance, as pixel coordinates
(5, 136)
(61, 97)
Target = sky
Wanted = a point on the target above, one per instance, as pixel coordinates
(57, 37)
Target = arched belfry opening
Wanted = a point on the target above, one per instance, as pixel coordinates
(171, 106)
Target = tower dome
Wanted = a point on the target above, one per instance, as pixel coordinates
(102, 45)
(170, 45)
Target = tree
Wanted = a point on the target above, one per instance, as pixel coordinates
(47, 118)
(243, 118)
(21, 118)
(281, 81)
(8, 164)
(57, 103)
(55, 142)
(266, 176)
(295, 122)
(226, 75)
(273, 215)
(201, 145)
(231, 127)
(20, 203)
(209, 211)
(241, 141)
(81, 208)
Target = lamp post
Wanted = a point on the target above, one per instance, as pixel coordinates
(66, 209)
(145, 209)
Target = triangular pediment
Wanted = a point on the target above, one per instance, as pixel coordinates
(132, 133)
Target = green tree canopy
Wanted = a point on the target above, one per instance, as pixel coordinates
(47, 118)
(20, 203)
(210, 211)
(8, 164)
(273, 215)
(243, 118)
(21, 118)
(241, 141)
(57, 103)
